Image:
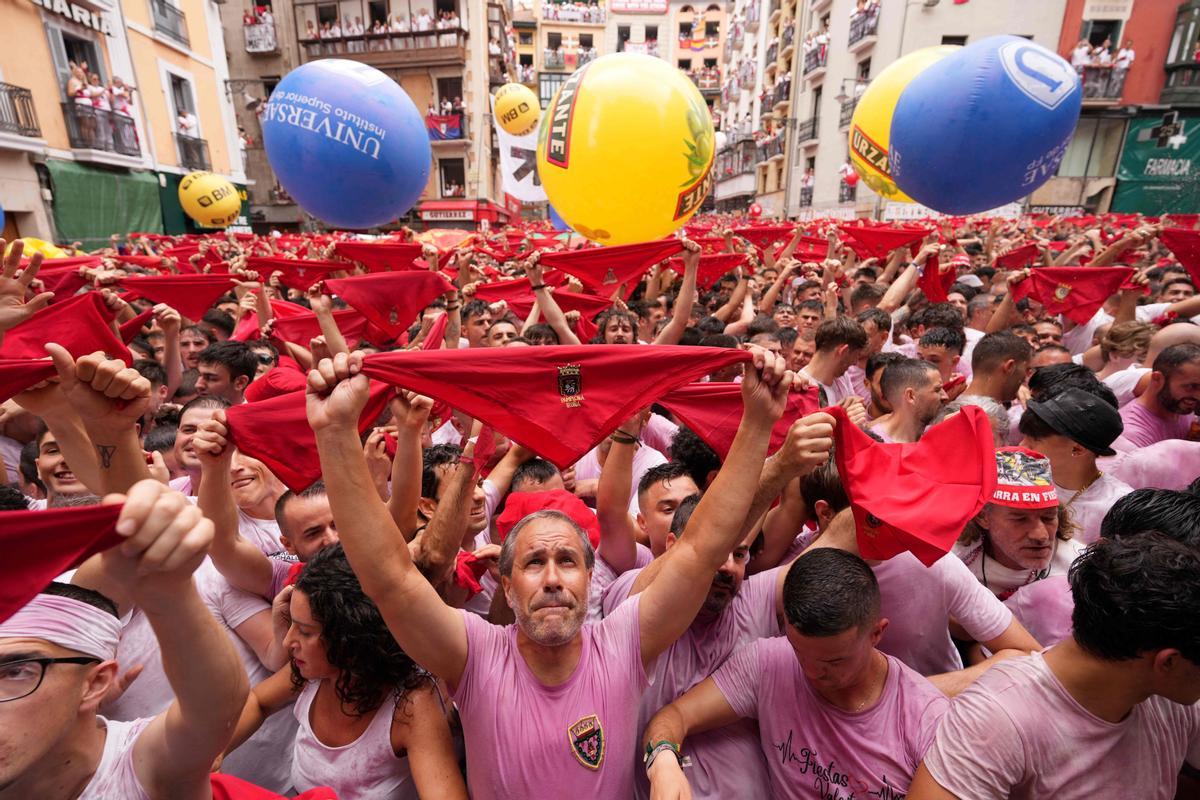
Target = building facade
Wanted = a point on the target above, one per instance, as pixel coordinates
(740, 108)
(842, 48)
(446, 54)
(103, 108)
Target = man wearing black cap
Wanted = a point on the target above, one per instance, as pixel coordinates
(1072, 428)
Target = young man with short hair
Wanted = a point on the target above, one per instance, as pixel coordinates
(913, 390)
(226, 369)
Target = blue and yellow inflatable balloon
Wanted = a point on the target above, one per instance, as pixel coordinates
(963, 130)
(347, 143)
(625, 149)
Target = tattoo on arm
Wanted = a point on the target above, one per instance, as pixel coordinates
(106, 452)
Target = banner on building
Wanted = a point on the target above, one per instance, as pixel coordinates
(518, 165)
(1158, 169)
(896, 212)
(444, 126)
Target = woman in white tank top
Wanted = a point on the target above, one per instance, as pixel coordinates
(373, 725)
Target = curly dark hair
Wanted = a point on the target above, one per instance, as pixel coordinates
(371, 666)
(696, 457)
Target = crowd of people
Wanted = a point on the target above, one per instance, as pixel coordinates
(590, 12)
(795, 510)
(338, 35)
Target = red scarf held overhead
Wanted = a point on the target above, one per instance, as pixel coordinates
(301, 329)
(916, 497)
(80, 324)
(935, 282)
(1075, 292)
(38, 546)
(377, 296)
(1185, 245)
(128, 331)
(712, 268)
(879, 241)
(190, 295)
(520, 299)
(1018, 257)
(437, 333)
(297, 274)
(248, 329)
(287, 377)
(604, 269)
(763, 236)
(714, 410)
(276, 432)
(558, 401)
(467, 572)
(18, 374)
(144, 262)
(380, 257)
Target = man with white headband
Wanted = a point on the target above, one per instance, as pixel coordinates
(57, 662)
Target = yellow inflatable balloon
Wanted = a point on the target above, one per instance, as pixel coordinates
(871, 126)
(210, 200)
(625, 149)
(517, 109)
(32, 245)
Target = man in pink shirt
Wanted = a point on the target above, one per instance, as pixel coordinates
(549, 705)
(840, 343)
(914, 391)
(1166, 410)
(837, 718)
(1112, 706)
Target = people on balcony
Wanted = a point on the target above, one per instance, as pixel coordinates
(1125, 56)
(424, 22)
(354, 32)
(401, 24)
(186, 123)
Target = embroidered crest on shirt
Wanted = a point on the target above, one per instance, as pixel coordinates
(570, 385)
(1061, 291)
(587, 741)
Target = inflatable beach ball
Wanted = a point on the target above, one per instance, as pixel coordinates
(210, 200)
(517, 109)
(625, 149)
(347, 143)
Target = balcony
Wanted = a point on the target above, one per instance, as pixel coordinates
(847, 193)
(771, 148)
(1102, 85)
(814, 61)
(1182, 85)
(806, 196)
(647, 48)
(90, 128)
(260, 38)
(733, 93)
(554, 59)
(776, 10)
(17, 114)
(573, 13)
(862, 30)
(169, 21)
(847, 113)
(753, 17)
(782, 93)
(746, 78)
(772, 52)
(446, 127)
(707, 81)
(586, 56)
(807, 131)
(527, 74)
(447, 46)
(193, 152)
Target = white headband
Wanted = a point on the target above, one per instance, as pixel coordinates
(67, 623)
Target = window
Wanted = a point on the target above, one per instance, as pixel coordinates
(710, 63)
(1097, 30)
(864, 70)
(554, 40)
(810, 163)
(1184, 36)
(816, 105)
(181, 95)
(450, 89)
(685, 64)
(685, 30)
(377, 11)
(67, 48)
(712, 29)
(958, 40)
(525, 59)
(453, 177)
(548, 83)
(622, 37)
(525, 37)
(585, 40)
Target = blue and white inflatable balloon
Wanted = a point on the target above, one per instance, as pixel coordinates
(347, 143)
(984, 126)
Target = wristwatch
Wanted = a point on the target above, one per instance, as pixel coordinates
(653, 751)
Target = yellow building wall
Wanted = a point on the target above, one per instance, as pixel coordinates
(31, 66)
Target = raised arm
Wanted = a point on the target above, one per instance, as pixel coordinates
(15, 308)
(166, 539)
(242, 564)
(546, 302)
(435, 549)
(894, 297)
(169, 320)
(411, 412)
(672, 600)
(686, 298)
(430, 631)
(618, 531)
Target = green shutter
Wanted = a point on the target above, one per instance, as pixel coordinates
(91, 204)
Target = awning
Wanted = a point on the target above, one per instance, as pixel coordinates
(91, 204)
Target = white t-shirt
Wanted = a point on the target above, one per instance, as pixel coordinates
(1089, 506)
(1003, 581)
(1017, 733)
(1079, 338)
(1125, 58)
(1123, 382)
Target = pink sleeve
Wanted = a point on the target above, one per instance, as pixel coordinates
(659, 432)
(485, 645)
(972, 604)
(738, 677)
(977, 752)
(619, 636)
